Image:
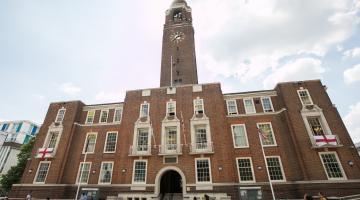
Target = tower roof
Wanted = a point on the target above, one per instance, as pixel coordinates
(177, 3)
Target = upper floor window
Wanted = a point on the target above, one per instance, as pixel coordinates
(104, 116)
(267, 134)
(84, 172)
(171, 138)
(245, 169)
(275, 168)
(198, 106)
(4, 127)
(144, 110)
(33, 130)
(232, 107)
(17, 127)
(52, 139)
(142, 139)
(110, 145)
(90, 141)
(171, 108)
(239, 136)
(106, 172)
(42, 171)
(249, 106)
(266, 104)
(315, 125)
(139, 172)
(305, 97)
(90, 116)
(332, 165)
(117, 115)
(201, 137)
(60, 115)
(203, 170)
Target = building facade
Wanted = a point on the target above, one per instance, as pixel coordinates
(184, 139)
(13, 134)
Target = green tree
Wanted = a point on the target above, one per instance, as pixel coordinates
(14, 175)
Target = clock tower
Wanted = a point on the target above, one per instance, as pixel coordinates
(178, 63)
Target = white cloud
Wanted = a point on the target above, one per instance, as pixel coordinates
(300, 69)
(352, 53)
(69, 88)
(352, 75)
(38, 96)
(110, 97)
(352, 122)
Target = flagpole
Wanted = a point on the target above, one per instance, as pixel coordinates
(171, 71)
(266, 165)
(81, 168)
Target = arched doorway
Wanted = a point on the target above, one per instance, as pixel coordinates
(170, 173)
(170, 183)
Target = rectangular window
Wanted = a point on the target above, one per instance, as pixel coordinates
(143, 139)
(198, 106)
(89, 145)
(144, 110)
(249, 106)
(201, 137)
(106, 172)
(239, 136)
(332, 165)
(232, 107)
(60, 115)
(5, 127)
(110, 145)
(18, 127)
(267, 134)
(117, 115)
(84, 172)
(315, 125)
(267, 104)
(34, 130)
(171, 108)
(104, 116)
(305, 97)
(275, 168)
(246, 172)
(203, 173)
(42, 172)
(90, 116)
(139, 171)
(171, 138)
(52, 139)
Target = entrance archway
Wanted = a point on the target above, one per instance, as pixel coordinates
(166, 176)
(170, 182)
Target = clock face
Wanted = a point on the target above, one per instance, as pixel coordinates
(177, 37)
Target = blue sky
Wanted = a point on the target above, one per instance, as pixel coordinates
(94, 50)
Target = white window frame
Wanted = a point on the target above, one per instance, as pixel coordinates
(163, 135)
(227, 106)
(339, 163)
(37, 172)
(253, 106)
(281, 168)
(79, 171)
(196, 172)
(58, 115)
(87, 117)
(196, 111)
(53, 129)
(86, 138)
(168, 106)
(106, 140)
(148, 111)
(308, 93)
(121, 112)
(133, 172)
(112, 170)
(273, 134)
(101, 115)
(271, 104)
(252, 170)
(233, 136)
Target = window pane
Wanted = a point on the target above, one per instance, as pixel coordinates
(52, 140)
(106, 172)
(315, 125)
(240, 136)
(249, 106)
(84, 172)
(232, 109)
(266, 102)
(142, 143)
(60, 115)
(203, 171)
(200, 136)
(42, 172)
(90, 142)
(332, 166)
(90, 116)
(305, 98)
(144, 110)
(171, 138)
(199, 108)
(245, 169)
(118, 115)
(140, 171)
(111, 142)
(274, 168)
(268, 137)
(171, 108)
(104, 116)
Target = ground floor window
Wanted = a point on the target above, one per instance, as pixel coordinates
(139, 175)
(275, 169)
(42, 172)
(84, 172)
(253, 193)
(246, 173)
(203, 172)
(332, 165)
(106, 172)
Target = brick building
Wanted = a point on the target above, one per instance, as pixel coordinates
(185, 139)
